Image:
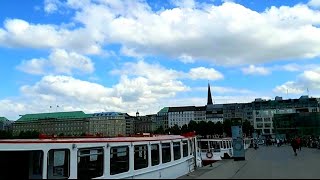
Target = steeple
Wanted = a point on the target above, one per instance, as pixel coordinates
(209, 101)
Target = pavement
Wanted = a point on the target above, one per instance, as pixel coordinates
(267, 162)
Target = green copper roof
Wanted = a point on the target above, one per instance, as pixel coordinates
(164, 110)
(55, 115)
(3, 119)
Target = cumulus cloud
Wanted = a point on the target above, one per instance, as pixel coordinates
(309, 79)
(157, 73)
(314, 3)
(205, 73)
(59, 61)
(228, 34)
(20, 33)
(255, 70)
(223, 90)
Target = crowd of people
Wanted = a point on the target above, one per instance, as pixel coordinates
(296, 142)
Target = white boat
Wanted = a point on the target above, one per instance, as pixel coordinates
(216, 149)
(165, 156)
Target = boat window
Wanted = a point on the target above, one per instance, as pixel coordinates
(119, 160)
(204, 145)
(58, 164)
(224, 144)
(140, 156)
(190, 146)
(166, 152)
(185, 148)
(176, 150)
(21, 164)
(155, 154)
(90, 163)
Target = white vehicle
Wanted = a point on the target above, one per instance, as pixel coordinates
(166, 156)
(212, 150)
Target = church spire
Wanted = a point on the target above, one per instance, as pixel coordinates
(209, 101)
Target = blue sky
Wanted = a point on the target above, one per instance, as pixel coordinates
(118, 55)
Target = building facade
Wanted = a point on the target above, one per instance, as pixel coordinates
(5, 124)
(107, 124)
(67, 123)
(146, 124)
(302, 124)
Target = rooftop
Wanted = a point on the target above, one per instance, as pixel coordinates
(55, 115)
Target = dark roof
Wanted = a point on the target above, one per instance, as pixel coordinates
(108, 114)
(55, 115)
(200, 108)
(182, 108)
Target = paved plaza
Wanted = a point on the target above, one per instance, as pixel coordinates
(266, 162)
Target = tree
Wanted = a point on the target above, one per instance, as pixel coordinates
(184, 128)
(192, 126)
(160, 130)
(203, 128)
(175, 130)
(247, 128)
(219, 128)
(211, 127)
(227, 127)
(5, 134)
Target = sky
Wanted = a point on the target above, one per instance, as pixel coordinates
(143, 55)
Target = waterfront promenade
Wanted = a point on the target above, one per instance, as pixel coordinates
(267, 162)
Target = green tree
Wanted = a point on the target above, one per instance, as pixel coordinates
(192, 126)
(219, 128)
(227, 127)
(247, 128)
(160, 130)
(175, 130)
(203, 128)
(212, 128)
(184, 128)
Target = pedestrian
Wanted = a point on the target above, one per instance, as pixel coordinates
(299, 143)
(278, 142)
(294, 145)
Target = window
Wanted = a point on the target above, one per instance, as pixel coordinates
(185, 148)
(37, 158)
(166, 152)
(176, 150)
(58, 163)
(119, 160)
(155, 154)
(204, 145)
(90, 163)
(190, 146)
(140, 156)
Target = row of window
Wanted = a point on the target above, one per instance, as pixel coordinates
(91, 165)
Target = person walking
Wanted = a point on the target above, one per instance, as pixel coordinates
(299, 143)
(294, 146)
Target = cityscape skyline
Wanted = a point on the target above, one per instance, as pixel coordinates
(97, 56)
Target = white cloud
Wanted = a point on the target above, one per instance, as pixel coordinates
(309, 79)
(229, 34)
(59, 61)
(314, 3)
(255, 70)
(223, 90)
(158, 73)
(20, 33)
(205, 73)
(184, 3)
(50, 6)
